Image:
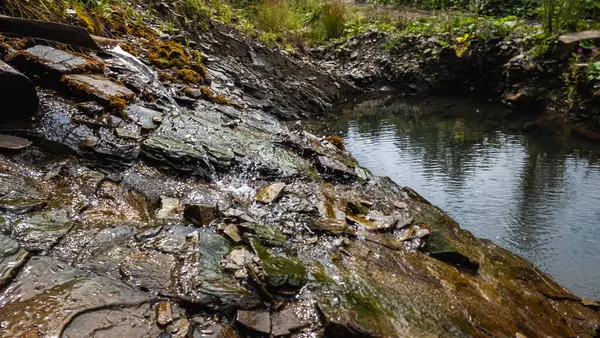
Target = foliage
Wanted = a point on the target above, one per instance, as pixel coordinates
(593, 71)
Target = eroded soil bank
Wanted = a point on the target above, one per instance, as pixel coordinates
(150, 205)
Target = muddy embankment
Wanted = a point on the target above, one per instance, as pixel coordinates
(134, 205)
(492, 69)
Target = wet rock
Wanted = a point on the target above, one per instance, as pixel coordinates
(118, 322)
(210, 329)
(53, 298)
(17, 94)
(20, 194)
(258, 321)
(164, 313)
(180, 328)
(335, 168)
(39, 232)
(12, 258)
(266, 234)
(201, 214)
(13, 142)
(150, 271)
(44, 59)
(293, 318)
(278, 272)
(146, 118)
(233, 233)
(129, 134)
(438, 247)
(270, 193)
(333, 226)
(170, 207)
(354, 314)
(177, 154)
(98, 87)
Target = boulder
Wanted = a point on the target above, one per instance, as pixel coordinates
(571, 40)
(18, 95)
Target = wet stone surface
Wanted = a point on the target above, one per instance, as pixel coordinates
(221, 221)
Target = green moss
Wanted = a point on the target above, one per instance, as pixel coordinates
(220, 99)
(267, 234)
(116, 103)
(189, 76)
(167, 54)
(319, 274)
(280, 272)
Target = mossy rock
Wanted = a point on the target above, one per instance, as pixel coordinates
(280, 272)
(266, 234)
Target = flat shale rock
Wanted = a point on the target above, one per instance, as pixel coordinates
(12, 258)
(13, 142)
(97, 86)
(54, 61)
(51, 298)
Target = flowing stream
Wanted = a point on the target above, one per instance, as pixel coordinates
(536, 194)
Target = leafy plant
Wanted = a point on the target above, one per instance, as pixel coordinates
(593, 71)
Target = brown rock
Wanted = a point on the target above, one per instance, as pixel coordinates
(164, 313)
(270, 193)
(200, 214)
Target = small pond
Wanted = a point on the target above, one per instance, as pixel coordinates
(536, 194)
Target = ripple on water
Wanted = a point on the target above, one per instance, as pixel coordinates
(536, 197)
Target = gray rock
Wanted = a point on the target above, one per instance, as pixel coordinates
(571, 40)
(41, 231)
(146, 118)
(20, 194)
(294, 317)
(335, 168)
(12, 258)
(258, 321)
(55, 61)
(178, 155)
(13, 142)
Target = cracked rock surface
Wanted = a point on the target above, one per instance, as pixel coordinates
(191, 218)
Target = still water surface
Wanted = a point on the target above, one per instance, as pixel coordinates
(536, 196)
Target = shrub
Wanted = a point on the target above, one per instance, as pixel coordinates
(334, 18)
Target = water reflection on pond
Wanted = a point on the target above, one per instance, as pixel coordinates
(536, 196)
